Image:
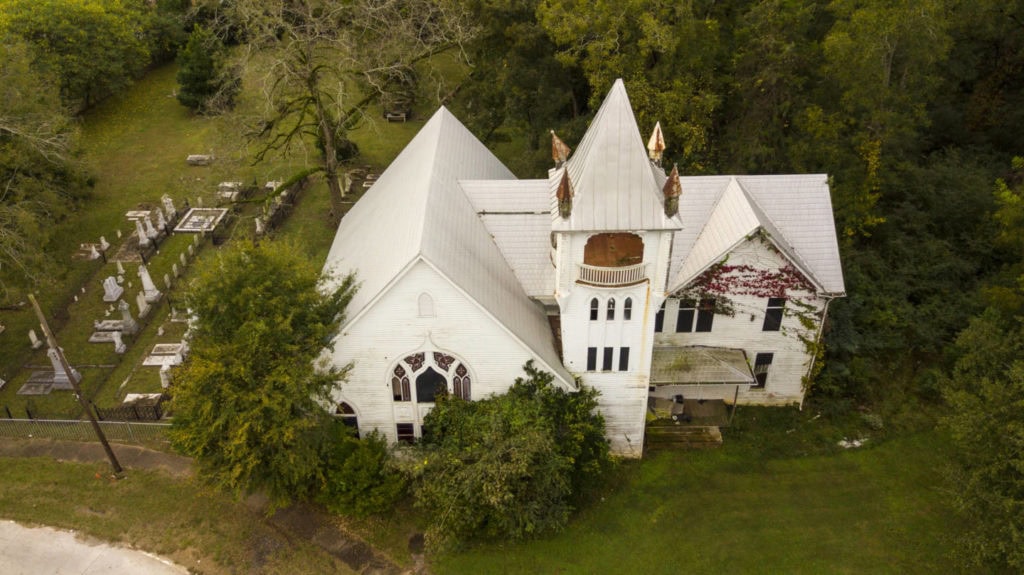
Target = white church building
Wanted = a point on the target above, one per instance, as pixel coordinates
(610, 273)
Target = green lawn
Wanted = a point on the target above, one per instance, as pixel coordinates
(879, 509)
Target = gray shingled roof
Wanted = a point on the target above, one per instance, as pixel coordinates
(417, 209)
(613, 181)
(699, 364)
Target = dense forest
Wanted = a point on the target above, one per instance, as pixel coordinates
(914, 109)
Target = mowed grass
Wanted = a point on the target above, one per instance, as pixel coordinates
(878, 509)
(206, 532)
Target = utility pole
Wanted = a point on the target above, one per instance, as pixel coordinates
(52, 342)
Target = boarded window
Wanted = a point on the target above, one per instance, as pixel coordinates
(623, 359)
(591, 358)
(426, 305)
(705, 315)
(627, 309)
(762, 363)
(606, 365)
(659, 319)
(429, 385)
(595, 307)
(406, 432)
(611, 308)
(684, 317)
(773, 315)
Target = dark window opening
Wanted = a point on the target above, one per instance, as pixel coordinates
(606, 364)
(429, 385)
(613, 250)
(762, 362)
(611, 309)
(591, 358)
(594, 306)
(705, 315)
(406, 432)
(684, 317)
(773, 315)
(348, 416)
(659, 319)
(623, 359)
(627, 309)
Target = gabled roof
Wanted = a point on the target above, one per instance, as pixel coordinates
(416, 209)
(795, 211)
(612, 178)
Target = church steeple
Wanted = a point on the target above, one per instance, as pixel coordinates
(672, 190)
(559, 151)
(564, 195)
(656, 145)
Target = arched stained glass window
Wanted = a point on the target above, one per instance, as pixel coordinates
(400, 384)
(461, 382)
(594, 307)
(627, 309)
(611, 308)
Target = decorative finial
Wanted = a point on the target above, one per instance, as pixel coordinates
(672, 190)
(564, 195)
(656, 145)
(559, 151)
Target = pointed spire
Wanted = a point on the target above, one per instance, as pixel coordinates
(564, 195)
(656, 145)
(559, 151)
(672, 190)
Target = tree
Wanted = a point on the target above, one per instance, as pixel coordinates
(40, 176)
(93, 47)
(326, 60)
(248, 402)
(507, 466)
(205, 82)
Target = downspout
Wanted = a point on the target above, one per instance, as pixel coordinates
(817, 340)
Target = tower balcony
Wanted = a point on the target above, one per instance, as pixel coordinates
(612, 276)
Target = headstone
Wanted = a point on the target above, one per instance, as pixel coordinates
(94, 254)
(192, 250)
(128, 323)
(120, 280)
(174, 269)
(111, 291)
(259, 226)
(167, 281)
(32, 337)
(169, 209)
(181, 258)
(104, 244)
(76, 299)
(151, 232)
(141, 231)
(140, 300)
(148, 287)
(120, 268)
(159, 331)
(165, 376)
(118, 233)
(119, 346)
(199, 201)
(161, 223)
(61, 378)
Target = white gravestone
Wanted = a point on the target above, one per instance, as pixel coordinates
(32, 337)
(169, 209)
(111, 291)
(140, 300)
(141, 231)
(119, 346)
(148, 287)
(165, 376)
(161, 223)
(118, 233)
(192, 250)
(93, 254)
(174, 269)
(104, 244)
(167, 281)
(61, 379)
(182, 259)
(128, 323)
(151, 232)
(259, 227)
(120, 268)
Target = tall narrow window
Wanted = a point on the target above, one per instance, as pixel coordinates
(627, 309)
(705, 315)
(606, 365)
(461, 382)
(659, 319)
(594, 307)
(611, 308)
(623, 359)
(762, 363)
(591, 358)
(400, 384)
(684, 317)
(773, 315)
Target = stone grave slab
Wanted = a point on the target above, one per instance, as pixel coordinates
(102, 336)
(36, 388)
(163, 354)
(198, 220)
(136, 214)
(107, 325)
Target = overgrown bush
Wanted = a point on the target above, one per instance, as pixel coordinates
(358, 477)
(206, 83)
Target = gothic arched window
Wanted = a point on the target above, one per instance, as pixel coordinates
(611, 308)
(594, 307)
(627, 309)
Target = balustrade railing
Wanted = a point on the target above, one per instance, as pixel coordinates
(612, 277)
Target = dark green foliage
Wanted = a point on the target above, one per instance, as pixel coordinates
(205, 82)
(247, 403)
(357, 476)
(507, 466)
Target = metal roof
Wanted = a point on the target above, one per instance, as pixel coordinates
(699, 364)
(612, 178)
(417, 209)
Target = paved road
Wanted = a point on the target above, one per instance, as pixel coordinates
(46, 551)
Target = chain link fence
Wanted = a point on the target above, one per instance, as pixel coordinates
(70, 430)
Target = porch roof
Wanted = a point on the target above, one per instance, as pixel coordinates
(700, 365)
